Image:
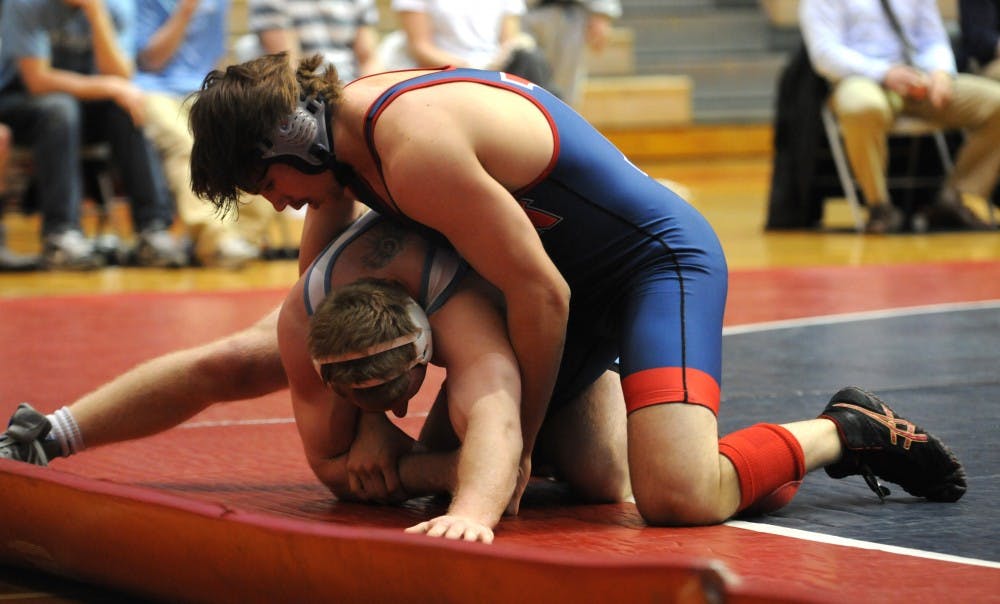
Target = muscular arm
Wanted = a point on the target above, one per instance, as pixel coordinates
(483, 389)
(326, 424)
(322, 224)
(494, 234)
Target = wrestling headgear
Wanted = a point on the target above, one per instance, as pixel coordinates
(301, 139)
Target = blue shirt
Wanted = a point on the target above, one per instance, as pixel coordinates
(854, 37)
(202, 50)
(53, 30)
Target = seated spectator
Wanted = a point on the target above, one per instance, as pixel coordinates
(980, 24)
(887, 62)
(183, 42)
(564, 29)
(65, 72)
(9, 260)
(481, 35)
(343, 32)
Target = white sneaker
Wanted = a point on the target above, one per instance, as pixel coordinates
(232, 253)
(158, 248)
(70, 250)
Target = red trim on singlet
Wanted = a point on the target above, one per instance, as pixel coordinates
(671, 385)
(501, 85)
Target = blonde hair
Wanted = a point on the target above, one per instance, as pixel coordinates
(238, 108)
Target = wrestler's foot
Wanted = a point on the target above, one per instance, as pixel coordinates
(25, 440)
(878, 443)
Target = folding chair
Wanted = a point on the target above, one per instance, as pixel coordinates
(903, 126)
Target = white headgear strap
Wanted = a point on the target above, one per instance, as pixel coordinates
(421, 339)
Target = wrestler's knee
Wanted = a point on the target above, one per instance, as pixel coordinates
(607, 483)
(671, 505)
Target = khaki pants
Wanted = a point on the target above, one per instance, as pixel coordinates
(866, 112)
(167, 127)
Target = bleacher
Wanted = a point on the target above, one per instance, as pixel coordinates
(683, 78)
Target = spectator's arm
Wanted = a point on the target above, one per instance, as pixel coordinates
(420, 41)
(112, 56)
(933, 46)
(510, 28)
(823, 25)
(168, 37)
(281, 40)
(365, 46)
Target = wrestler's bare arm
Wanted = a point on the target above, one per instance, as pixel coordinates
(483, 389)
(326, 424)
(491, 231)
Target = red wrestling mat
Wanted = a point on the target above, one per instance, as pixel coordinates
(224, 508)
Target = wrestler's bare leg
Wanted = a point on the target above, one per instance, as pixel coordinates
(164, 392)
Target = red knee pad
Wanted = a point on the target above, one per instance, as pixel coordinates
(770, 465)
(670, 385)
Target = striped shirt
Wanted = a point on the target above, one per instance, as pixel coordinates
(325, 27)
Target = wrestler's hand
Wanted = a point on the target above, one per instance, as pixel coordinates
(454, 527)
(373, 460)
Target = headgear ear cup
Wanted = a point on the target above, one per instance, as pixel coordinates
(301, 139)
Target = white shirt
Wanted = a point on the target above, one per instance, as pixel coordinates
(855, 37)
(469, 29)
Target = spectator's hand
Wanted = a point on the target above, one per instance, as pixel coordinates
(940, 90)
(454, 527)
(373, 460)
(907, 82)
(598, 31)
(521, 41)
(130, 97)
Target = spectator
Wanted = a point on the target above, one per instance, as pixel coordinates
(980, 23)
(885, 64)
(9, 260)
(563, 30)
(184, 40)
(480, 35)
(65, 69)
(343, 32)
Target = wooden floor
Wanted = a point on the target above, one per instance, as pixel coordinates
(731, 192)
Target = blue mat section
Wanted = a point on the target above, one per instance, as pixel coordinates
(941, 371)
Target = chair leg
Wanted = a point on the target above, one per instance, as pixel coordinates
(843, 168)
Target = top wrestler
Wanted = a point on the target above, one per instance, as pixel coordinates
(541, 205)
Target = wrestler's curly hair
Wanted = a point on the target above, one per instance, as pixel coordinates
(236, 109)
(354, 317)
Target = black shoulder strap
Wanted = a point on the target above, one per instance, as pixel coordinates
(894, 21)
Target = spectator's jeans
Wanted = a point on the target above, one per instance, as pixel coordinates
(54, 126)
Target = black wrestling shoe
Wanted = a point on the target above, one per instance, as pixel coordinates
(878, 443)
(25, 440)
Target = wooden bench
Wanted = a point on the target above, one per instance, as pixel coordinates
(637, 101)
